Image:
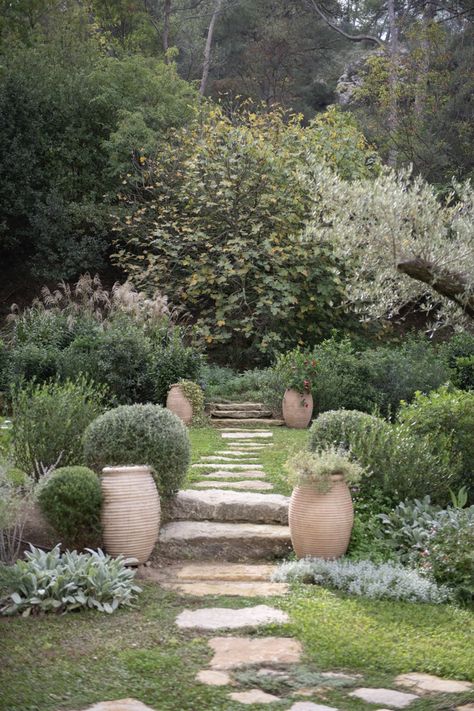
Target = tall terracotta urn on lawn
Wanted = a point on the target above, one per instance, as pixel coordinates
(321, 512)
(179, 404)
(130, 512)
(297, 409)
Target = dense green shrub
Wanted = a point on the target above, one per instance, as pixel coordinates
(57, 174)
(401, 464)
(30, 362)
(4, 368)
(375, 378)
(458, 354)
(450, 552)
(173, 360)
(71, 500)
(446, 418)
(140, 434)
(49, 420)
(55, 582)
(120, 338)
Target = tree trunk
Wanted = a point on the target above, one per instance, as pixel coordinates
(453, 285)
(208, 47)
(166, 27)
(392, 80)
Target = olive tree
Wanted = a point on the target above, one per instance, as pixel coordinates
(402, 246)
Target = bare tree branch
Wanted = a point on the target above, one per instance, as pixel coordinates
(353, 38)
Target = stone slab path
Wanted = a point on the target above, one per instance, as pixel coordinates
(389, 697)
(234, 652)
(221, 618)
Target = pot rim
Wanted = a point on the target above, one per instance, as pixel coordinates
(123, 469)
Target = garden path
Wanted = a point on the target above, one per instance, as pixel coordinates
(240, 530)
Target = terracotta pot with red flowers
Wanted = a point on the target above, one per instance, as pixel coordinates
(296, 371)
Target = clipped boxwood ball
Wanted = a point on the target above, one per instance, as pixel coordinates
(140, 434)
(71, 500)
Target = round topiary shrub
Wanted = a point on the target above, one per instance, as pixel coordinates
(140, 434)
(337, 428)
(71, 501)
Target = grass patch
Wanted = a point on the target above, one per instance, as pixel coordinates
(207, 440)
(380, 636)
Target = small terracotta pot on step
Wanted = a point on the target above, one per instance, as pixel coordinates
(297, 409)
(321, 524)
(179, 404)
(130, 512)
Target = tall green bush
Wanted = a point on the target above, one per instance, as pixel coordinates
(225, 199)
(377, 377)
(49, 420)
(446, 418)
(71, 501)
(401, 463)
(140, 434)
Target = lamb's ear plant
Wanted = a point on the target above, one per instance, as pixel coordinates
(55, 582)
(316, 469)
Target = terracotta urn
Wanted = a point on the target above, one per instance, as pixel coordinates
(130, 512)
(321, 523)
(179, 404)
(297, 409)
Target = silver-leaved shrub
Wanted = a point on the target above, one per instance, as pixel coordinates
(364, 578)
(62, 582)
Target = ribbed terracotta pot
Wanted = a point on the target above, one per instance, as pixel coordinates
(296, 413)
(130, 511)
(321, 524)
(179, 404)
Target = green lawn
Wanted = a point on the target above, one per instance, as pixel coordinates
(64, 663)
(69, 662)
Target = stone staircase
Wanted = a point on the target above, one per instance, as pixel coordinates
(226, 414)
(219, 524)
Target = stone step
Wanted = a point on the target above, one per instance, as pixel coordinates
(243, 485)
(224, 505)
(242, 414)
(228, 588)
(223, 541)
(253, 406)
(270, 422)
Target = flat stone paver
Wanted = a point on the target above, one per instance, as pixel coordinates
(235, 453)
(309, 706)
(230, 467)
(232, 589)
(221, 505)
(223, 458)
(226, 571)
(246, 435)
(429, 682)
(253, 696)
(251, 473)
(217, 618)
(213, 678)
(234, 652)
(245, 485)
(389, 697)
(120, 705)
(466, 707)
